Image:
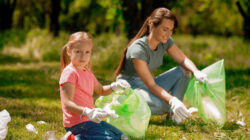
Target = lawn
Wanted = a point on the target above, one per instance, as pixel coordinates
(29, 90)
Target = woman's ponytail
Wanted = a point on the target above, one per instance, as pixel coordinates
(143, 31)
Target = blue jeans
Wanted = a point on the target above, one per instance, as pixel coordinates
(95, 131)
(173, 80)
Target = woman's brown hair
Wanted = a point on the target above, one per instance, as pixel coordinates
(155, 18)
(73, 39)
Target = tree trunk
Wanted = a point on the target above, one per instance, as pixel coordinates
(135, 17)
(54, 16)
(132, 17)
(6, 14)
(246, 23)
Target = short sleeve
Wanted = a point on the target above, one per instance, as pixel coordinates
(68, 76)
(93, 77)
(138, 52)
(168, 44)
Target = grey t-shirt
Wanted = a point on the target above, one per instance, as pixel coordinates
(139, 49)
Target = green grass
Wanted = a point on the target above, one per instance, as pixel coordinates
(29, 89)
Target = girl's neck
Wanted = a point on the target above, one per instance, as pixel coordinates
(80, 67)
(152, 42)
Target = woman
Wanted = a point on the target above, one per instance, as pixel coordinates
(145, 53)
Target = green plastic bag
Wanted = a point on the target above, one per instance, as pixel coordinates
(209, 97)
(134, 112)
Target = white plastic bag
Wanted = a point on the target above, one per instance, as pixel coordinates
(4, 119)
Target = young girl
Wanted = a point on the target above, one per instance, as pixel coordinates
(77, 84)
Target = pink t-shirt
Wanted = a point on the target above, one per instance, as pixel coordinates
(84, 82)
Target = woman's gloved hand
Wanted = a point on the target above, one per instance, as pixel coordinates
(179, 109)
(200, 76)
(119, 84)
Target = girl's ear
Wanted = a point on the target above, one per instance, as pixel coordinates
(69, 52)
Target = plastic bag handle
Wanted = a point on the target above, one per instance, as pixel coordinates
(211, 94)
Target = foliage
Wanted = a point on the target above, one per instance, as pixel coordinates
(38, 45)
(97, 16)
(93, 16)
(12, 37)
(210, 17)
(107, 53)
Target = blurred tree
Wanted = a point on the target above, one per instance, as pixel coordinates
(54, 15)
(94, 16)
(7, 8)
(77, 15)
(65, 5)
(31, 13)
(38, 13)
(246, 16)
(209, 17)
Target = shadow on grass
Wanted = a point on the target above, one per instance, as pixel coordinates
(194, 125)
(237, 78)
(27, 83)
(160, 122)
(9, 59)
(31, 111)
(230, 126)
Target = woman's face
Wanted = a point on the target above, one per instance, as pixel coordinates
(163, 31)
(80, 54)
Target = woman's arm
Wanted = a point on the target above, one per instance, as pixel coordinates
(68, 91)
(142, 70)
(180, 57)
(102, 90)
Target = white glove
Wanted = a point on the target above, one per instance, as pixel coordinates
(200, 76)
(119, 84)
(95, 115)
(176, 119)
(179, 109)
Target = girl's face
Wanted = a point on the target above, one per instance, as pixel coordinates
(80, 54)
(163, 31)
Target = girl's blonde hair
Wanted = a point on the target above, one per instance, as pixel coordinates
(73, 39)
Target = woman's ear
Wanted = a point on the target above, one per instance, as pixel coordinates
(150, 25)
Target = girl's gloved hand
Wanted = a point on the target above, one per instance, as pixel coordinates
(119, 84)
(200, 76)
(179, 109)
(95, 115)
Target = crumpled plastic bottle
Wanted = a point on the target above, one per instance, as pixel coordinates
(31, 128)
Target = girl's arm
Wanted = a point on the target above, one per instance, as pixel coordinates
(142, 70)
(68, 91)
(106, 90)
(102, 90)
(180, 57)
